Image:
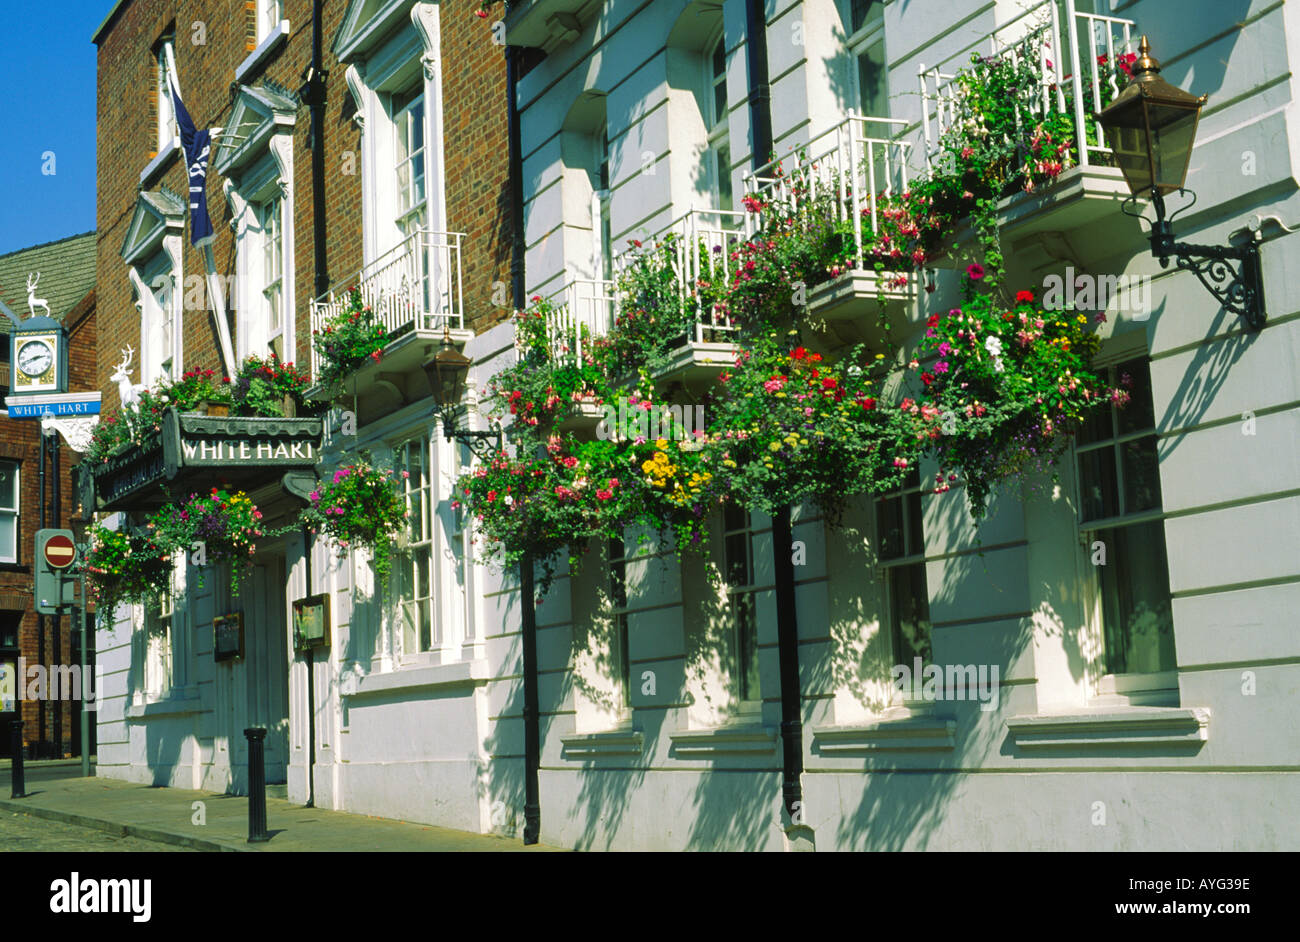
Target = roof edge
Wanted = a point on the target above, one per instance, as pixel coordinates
(108, 20)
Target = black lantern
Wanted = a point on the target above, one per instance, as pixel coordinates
(447, 373)
(1151, 127)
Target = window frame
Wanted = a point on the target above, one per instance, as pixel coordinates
(167, 128)
(1139, 688)
(744, 701)
(717, 125)
(619, 613)
(269, 215)
(859, 42)
(402, 124)
(266, 22)
(406, 563)
(161, 305)
(16, 512)
(159, 661)
(886, 566)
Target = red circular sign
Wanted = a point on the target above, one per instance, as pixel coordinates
(59, 552)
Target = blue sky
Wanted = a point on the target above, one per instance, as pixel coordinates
(47, 104)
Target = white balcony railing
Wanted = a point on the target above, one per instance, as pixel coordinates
(415, 286)
(1036, 36)
(846, 166)
(583, 310)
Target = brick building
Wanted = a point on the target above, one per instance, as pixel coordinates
(67, 278)
(409, 182)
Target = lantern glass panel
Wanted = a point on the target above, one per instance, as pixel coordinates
(1173, 129)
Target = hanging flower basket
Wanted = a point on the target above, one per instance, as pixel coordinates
(213, 528)
(361, 506)
(125, 566)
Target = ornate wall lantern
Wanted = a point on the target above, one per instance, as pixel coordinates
(1151, 127)
(447, 373)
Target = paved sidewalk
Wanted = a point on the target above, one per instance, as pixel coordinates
(165, 815)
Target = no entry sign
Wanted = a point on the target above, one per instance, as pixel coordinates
(60, 552)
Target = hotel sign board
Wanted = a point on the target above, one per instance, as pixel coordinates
(192, 452)
(56, 404)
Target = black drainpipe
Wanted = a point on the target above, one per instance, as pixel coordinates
(760, 93)
(527, 590)
(787, 625)
(315, 88)
(307, 546)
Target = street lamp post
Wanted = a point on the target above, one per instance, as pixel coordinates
(1151, 127)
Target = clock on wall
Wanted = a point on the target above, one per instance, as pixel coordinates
(38, 357)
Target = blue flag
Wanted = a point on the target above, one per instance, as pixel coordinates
(198, 148)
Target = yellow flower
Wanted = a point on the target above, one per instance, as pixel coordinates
(774, 446)
(662, 444)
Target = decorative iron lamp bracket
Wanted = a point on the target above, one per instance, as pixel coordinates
(1239, 288)
(483, 444)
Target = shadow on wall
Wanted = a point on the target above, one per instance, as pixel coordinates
(1208, 370)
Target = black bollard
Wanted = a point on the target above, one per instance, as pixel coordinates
(16, 777)
(256, 785)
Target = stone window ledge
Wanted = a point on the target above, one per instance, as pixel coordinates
(435, 677)
(723, 741)
(273, 41)
(905, 734)
(1108, 730)
(172, 706)
(616, 742)
(152, 168)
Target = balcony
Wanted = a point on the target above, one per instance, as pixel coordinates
(583, 310)
(842, 176)
(697, 247)
(1077, 216)
(416, 292)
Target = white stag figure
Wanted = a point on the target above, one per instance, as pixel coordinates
(33, 302)
(127, 392)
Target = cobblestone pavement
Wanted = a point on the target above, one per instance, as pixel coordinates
(21, 832)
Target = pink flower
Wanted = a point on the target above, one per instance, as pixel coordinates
(900, 462)
(975, 271)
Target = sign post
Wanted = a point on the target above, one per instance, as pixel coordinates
(55, 588)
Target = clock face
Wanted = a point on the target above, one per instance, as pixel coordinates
(36, 362)
(35, 357)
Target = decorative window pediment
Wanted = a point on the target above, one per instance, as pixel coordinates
(156, 213)
(259, 114)
(366, 23)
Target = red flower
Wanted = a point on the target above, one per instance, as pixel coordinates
(927, 378)
(932, 321)
(867, 404)
(798, 353)
(1024, 297)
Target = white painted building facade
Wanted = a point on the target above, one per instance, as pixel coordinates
(1144, 704)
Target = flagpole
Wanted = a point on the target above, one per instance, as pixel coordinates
(216, 294)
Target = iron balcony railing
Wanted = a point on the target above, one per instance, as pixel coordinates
(846, 166)
(1036, 36)
(700, 242)
(582, 310)
(417, 285)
